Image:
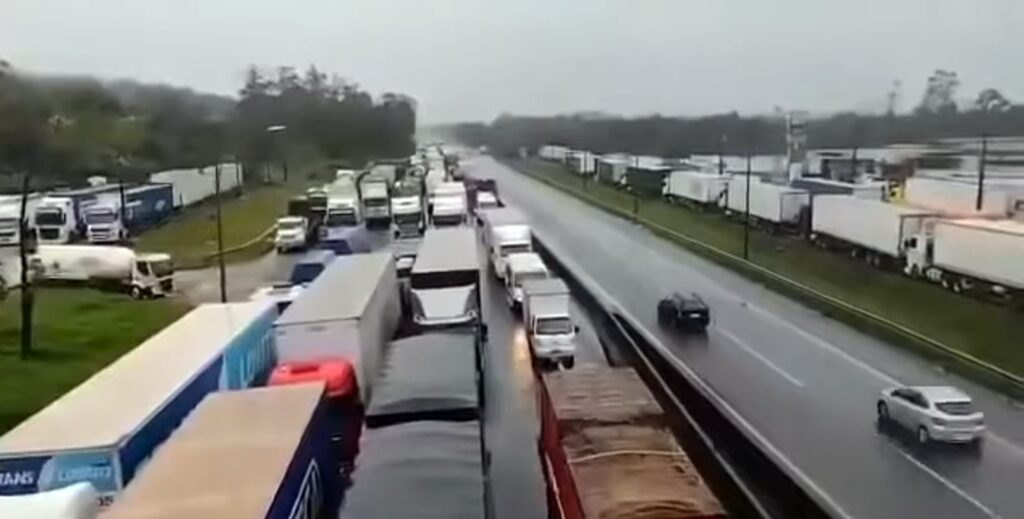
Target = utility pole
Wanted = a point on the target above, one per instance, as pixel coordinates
(746, 212)
(981, 173)
(121, 204)
(721, 156)
(27, 295)
(220, 237)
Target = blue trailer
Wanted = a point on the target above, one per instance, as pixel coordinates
(262, 452)
(106, 428)
(147, 205)
(345, 240)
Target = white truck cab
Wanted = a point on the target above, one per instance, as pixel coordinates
(519, 268)
(550, 329)
(505, 240)
(103, 222)
(55, 220)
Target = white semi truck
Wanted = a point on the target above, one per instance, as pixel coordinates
(10, 211)
(971, 255)
(958, 199)
(878, 231)
(376, 201)
(550, 329)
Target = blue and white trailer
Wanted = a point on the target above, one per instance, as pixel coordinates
(144, 207)
(105, 429)
(262, 452)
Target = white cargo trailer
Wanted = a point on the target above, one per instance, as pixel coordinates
(972, 254)
(696, 186)
(349, 312)
(104, 430)
(772, 203)
(956, 199)
(876, 230)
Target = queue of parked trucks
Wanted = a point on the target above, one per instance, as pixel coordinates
(926, 227)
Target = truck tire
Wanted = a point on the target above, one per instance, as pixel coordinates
(136, 292)
(568, 363)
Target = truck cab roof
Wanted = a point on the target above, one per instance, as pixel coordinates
(525, 262)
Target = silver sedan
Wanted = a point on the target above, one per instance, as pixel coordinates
(933, 413)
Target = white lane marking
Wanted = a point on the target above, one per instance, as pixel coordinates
(945, 482)
(881, 375)
(756, 354)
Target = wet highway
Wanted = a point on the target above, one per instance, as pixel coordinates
(806, 384)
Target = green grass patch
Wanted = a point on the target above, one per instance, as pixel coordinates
(986, 331)
(191, 237)
(78, 331)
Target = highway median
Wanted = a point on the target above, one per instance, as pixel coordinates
(971, 337)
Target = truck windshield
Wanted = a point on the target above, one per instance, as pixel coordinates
(407, 217)
(375, 202)
(100, 217)
(288, 226)
(341, 219)
(162, 268)
(8, 223)
(50, 217)
(515, 248)
(553, 325)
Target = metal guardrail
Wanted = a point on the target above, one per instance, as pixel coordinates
(260, 238)
(1010, 381)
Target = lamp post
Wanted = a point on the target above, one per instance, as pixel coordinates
(220, 236)
(273, 130)
(981, 173)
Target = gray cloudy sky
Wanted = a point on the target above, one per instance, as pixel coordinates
(466, 59)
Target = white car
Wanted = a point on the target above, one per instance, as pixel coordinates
(933, 413)
(291, 234)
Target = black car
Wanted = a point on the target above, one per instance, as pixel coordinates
(688, 312)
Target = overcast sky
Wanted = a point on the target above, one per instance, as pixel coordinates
(471, 60)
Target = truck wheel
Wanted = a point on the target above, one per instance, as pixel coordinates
(136, 292)
(568, 363)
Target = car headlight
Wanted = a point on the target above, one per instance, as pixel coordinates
(938, 421)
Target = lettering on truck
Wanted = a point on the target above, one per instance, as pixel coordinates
(32, 474)
(311, 494)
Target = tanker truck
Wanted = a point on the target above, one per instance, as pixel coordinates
(143, 275)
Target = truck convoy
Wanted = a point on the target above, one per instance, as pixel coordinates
(350, 312)
(144, 206)
(105, 429)
(550, 330)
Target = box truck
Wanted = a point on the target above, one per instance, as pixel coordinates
(504, 240)
(520, 268)
(875, 230)
(955, 198)
(105, 429)
(257, 453)
(772, 204)
(972, 255)
(349, 312)
(491, 218)
(696, 187)
(550, 330)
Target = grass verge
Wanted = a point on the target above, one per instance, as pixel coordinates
(78, 331)
(987, 332)
(191, 237)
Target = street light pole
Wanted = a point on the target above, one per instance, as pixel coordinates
(220, 236)
(981, 173)
(273, 130)
(27, 294)
(746, 212)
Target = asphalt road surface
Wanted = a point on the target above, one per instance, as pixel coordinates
(806, 384)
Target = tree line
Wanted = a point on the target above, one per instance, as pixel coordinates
(65, 129)
(937, 116)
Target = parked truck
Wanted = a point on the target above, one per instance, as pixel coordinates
(60, 216)
(407, 213)
(958, 199)
(971, 255)
(143, 275)
(504, 240)
(445, 281)
(773, 205)
(104, 430)
(144, 206)
(349, 312)
(262, 452)
(696, 187)
(877, 231)
(521, 267)
(10, 212)
(550, 330)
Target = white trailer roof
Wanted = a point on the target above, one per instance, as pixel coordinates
(341, 291)
(111, 405)
(446, 250)
(856, 204)
(227, 460)
(503, 216)
(545, 286)
(525, 261)
(1002, 226)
